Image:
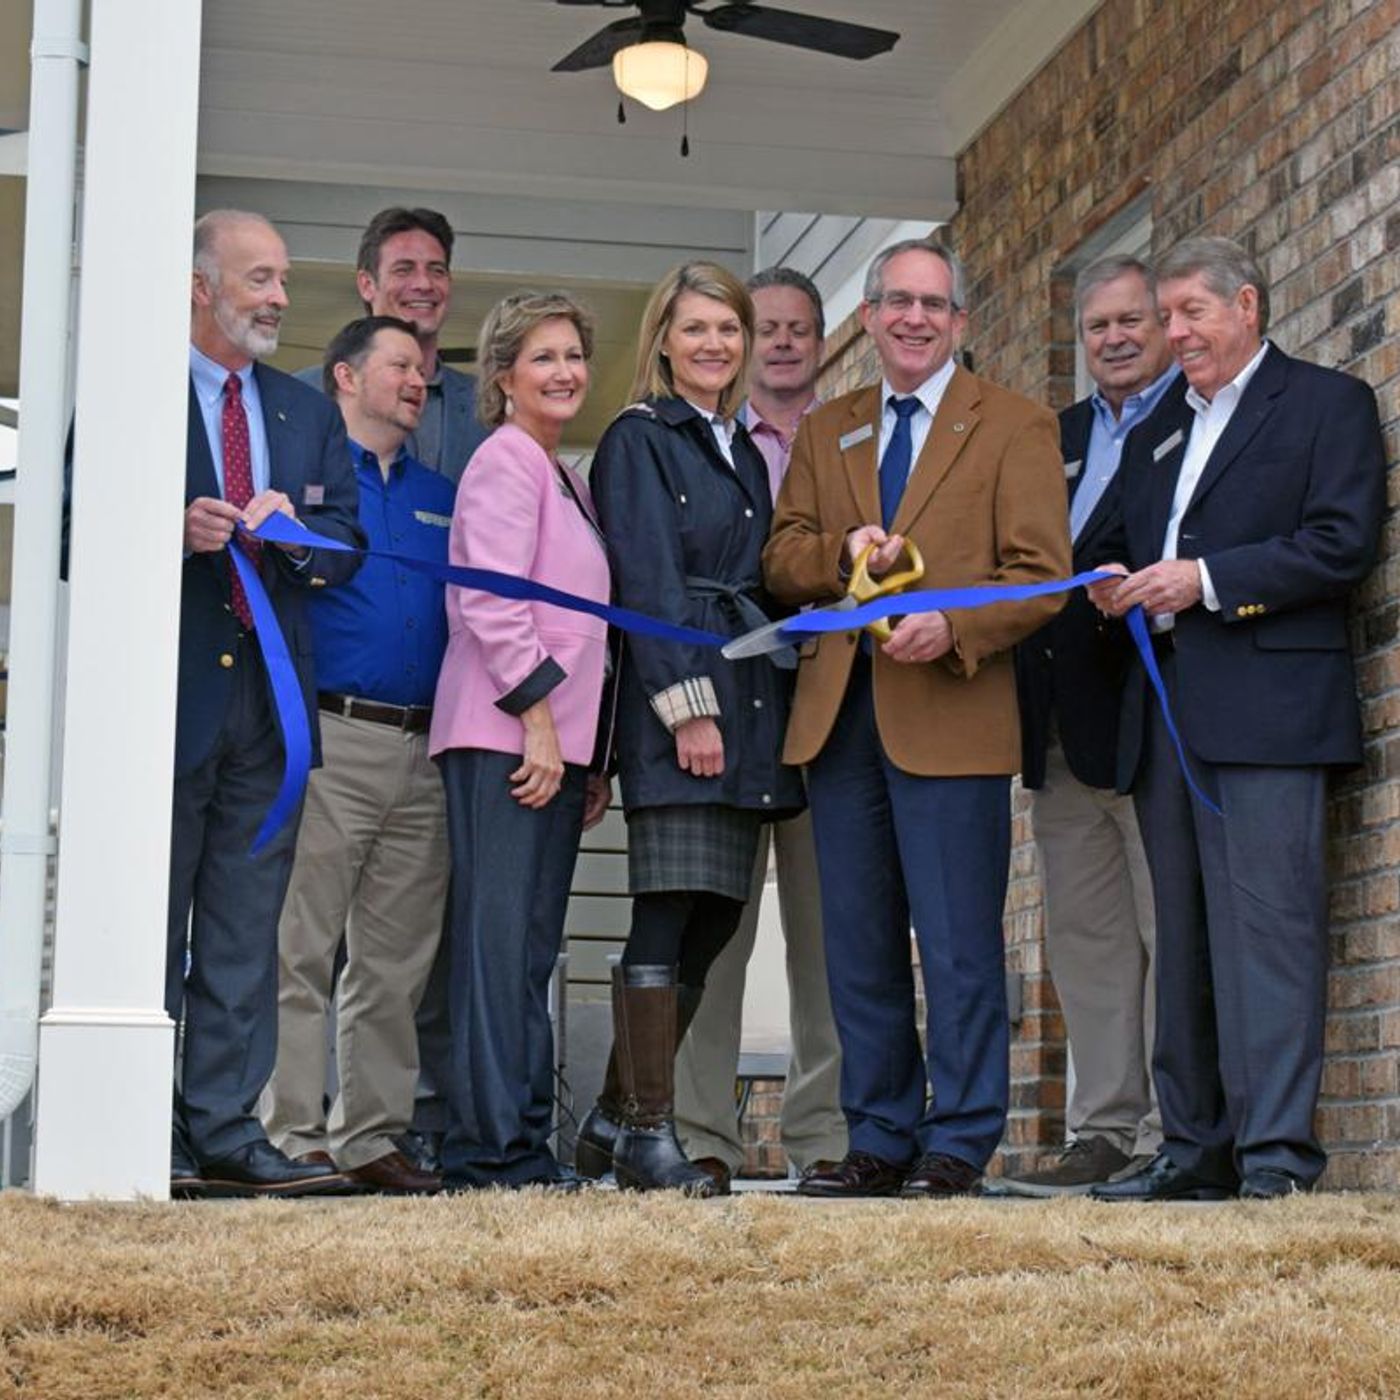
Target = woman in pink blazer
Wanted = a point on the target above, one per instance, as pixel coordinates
(514, 726)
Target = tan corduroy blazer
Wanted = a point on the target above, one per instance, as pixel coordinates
(985, 503)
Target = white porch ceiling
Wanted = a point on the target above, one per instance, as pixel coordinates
(319, 112)
(457, 95)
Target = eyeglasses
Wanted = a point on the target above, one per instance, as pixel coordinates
(900, 302)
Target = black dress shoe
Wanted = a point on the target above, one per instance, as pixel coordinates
(186, 1183)
(259, 1169)
(1161, 1180)
(1271, 1184)
(856, 1174)
(937, 1175)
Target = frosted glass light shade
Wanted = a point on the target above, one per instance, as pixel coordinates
(660, 74)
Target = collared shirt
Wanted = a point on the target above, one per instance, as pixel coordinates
(722, 430)
(1212, 418)
(1106, 439)
(209, 379)
(930, 395)
(382, 635)
(773, 444)
(426, 440)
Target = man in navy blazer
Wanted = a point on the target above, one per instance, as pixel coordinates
(258, 442)
(1252, 504)
(1099, 929)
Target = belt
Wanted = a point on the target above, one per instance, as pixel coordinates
(412, 719)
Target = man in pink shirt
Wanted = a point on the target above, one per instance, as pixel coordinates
(783, 374)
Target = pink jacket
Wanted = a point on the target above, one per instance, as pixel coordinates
(514, 514)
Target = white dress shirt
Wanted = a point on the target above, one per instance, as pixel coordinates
(1212, 418)
(722, 429)
(930, 395)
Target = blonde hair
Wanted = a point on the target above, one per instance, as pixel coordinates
(503, 334)
(653, 377)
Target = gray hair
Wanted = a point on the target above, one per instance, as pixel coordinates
(207, 229)
(1223, 265)
(503, 335)
(875, 273)
(791, 277)
(1105, 270)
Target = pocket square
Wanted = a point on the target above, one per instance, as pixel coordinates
(856, 435)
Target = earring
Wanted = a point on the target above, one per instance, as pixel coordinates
(510, 407)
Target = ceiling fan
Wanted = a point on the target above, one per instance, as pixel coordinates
(652, 62)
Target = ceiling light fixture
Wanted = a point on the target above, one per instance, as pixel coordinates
(660, 73)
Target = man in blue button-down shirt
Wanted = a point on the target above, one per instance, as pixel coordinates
(1099, 925)
(371, 858)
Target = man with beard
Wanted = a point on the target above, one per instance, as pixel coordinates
(259, 442)
(371, 858)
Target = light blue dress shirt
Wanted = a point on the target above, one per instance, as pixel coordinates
(1106, 439)
(209, 378)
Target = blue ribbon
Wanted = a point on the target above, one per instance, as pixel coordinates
(287, 701)
(291, 710)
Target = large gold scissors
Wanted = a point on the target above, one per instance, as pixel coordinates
(861, 588)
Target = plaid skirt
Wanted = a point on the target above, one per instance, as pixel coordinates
(708, 847)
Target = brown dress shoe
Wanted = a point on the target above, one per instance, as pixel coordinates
(821, 1167)
(937, 1175)
(718, 1172)
(856, 1174)
(394, 1175)
(316, 1159)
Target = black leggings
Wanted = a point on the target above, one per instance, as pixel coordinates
(684, 929)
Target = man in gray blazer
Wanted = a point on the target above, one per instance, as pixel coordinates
(404, 270)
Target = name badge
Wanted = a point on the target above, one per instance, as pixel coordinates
(314, 495)
(1072, 469)
(1163, 448)
(856, 435)
(429, 517)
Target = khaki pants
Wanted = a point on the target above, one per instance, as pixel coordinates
(371, 863)
(812, 1124)
(1099, 937)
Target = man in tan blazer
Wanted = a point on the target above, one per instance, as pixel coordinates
(910, 743)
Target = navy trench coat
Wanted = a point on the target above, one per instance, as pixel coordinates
(674, 513)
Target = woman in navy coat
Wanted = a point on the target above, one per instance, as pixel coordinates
(683, 498)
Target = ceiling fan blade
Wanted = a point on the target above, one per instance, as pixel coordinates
(833, 36)
(598, 51)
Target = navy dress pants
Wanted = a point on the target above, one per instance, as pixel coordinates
(221, 961)
(1241, 958)
(511, 871)
(892, 846)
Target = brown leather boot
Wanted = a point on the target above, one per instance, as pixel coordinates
(593, 1148)
(647, 1155)
(597, 1135)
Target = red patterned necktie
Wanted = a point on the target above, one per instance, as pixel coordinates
(238, 483)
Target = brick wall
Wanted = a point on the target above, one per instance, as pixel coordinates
(1276, 122)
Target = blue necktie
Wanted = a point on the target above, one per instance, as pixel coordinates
(898, 458)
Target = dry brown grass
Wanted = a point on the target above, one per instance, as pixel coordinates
(604, 1295)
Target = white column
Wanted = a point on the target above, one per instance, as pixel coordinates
(105, 1047)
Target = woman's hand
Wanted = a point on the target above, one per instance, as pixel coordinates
(595, 802)
(700, 748)
(540, 775)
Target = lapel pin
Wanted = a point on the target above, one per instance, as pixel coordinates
(281, 417)
(957, 427)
